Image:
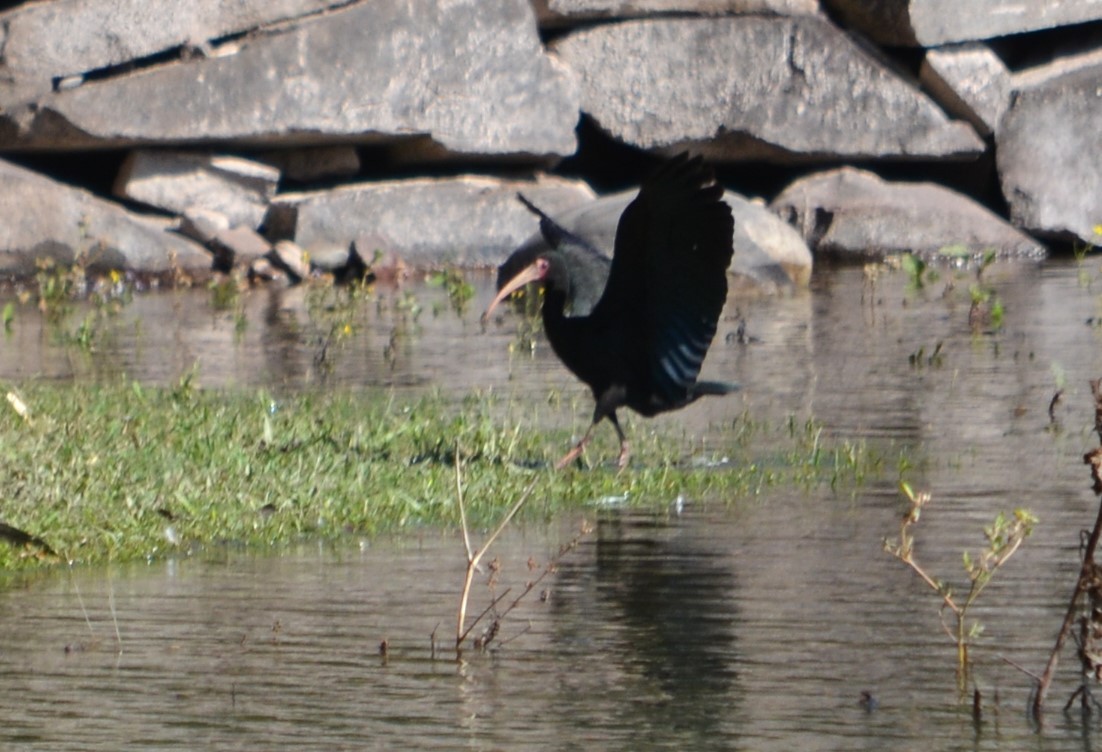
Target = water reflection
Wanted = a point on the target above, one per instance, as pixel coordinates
(750, 625)
(673, 596)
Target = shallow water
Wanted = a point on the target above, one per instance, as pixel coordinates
(695, 624)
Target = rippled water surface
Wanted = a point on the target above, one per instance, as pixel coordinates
(692, 624)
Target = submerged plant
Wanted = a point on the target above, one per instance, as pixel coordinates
(917, 270)
(1003, 538)
(60, 286)
(986, 311)
(459, 290)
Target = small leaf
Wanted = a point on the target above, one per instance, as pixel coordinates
(19, 406)
(906, 490)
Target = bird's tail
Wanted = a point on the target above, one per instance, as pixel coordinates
(702, 388)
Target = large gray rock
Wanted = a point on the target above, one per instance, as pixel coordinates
(177, 181)
(40, 218)
(566, 12)
(850, 212)
(933, 22)
(463, 220)
(469, 74)
(752, 87)
(49, 41)
(1049, 150)
(970, 81)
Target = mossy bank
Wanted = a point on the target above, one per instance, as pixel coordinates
(123, 471)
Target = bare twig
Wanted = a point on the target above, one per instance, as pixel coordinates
(473, 559)
(459, 500)
(474, 623)
(1020, 667)
(1087, 570)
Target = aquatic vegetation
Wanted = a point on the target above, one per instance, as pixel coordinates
(918, 272)
(225, 293)
(59, 286)
(455, 284)
(122, 471)
(986, 311)
(935, 359)
(1003, 538)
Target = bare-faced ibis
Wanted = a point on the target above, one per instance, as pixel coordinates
(642, 343)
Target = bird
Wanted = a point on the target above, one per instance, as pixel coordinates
(642, 342)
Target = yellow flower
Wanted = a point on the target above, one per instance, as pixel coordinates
(1098, 230)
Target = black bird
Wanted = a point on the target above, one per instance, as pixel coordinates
(642, 344)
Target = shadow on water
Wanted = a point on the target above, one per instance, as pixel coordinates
(689, 624)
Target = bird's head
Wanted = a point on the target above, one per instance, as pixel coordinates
(543, 270)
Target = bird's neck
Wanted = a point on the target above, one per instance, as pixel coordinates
(554, 307)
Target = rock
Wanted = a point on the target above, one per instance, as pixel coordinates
(203, 224)
(238, 246)
(934, 22)
(462, 220)
(344, 265)
(291, 259)
(1049, 150)
(470, 75)
(60, 41)
(768, 253)
(40, 218)
(754, 87)
(177, 181)
(307, 164)
(263, 270)
(970, 81)
(850, 212)
(567, 12)
(331, 259)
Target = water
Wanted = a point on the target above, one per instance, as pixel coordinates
(692, 624)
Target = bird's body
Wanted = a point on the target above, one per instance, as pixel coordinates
(642, 343)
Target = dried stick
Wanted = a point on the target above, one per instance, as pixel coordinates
(1081, 586)
(462, 510)
(1086, 571)
(473, 559)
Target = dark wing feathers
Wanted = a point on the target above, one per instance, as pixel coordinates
(669, 272)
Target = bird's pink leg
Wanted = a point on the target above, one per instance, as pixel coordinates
(576, 452)
(573, 454)
(625, 453)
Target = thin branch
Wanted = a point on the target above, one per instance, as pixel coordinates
(474, 622)
(472, 562)
(945, 595)
(459, 499)
(1081, 586)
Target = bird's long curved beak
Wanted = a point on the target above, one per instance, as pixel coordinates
(532, 273)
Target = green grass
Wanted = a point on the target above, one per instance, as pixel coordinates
(120, 471)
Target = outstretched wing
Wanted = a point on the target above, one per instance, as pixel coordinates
(668, 280)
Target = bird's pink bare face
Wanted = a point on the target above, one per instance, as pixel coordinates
(534, 272)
